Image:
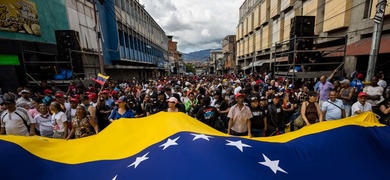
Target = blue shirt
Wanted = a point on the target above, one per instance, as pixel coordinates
(115, 115)
(332, 112)
(356, 83)
(324, 90)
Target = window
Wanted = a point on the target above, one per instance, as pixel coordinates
(367, 9)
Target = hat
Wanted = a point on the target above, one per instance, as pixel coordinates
(121, 99)
(114, 92)
(362, 94)
(263, 98)
(105, 92)
(291, 86)
(276, 95)
(237, 81)
(47, 91)
(345, 81)
(240, 95)
(253, 98)
(92, 96)
(25, 91)
(59, 94)
(360, 76)
(22, 104)
(77, 96)
(172, 99)
(8, 101)
(74, 100)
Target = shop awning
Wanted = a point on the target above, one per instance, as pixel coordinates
(363, 46)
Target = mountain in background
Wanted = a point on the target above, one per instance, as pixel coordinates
(201, 55)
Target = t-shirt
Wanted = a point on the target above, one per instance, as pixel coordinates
(257, 121)
(13, 122)
(44, 125)
(58, 120)
(207, 115)
(332, 111)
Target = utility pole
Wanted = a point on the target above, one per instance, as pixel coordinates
(98, 36)
(376, 38)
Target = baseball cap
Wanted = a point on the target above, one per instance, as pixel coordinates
(92, 96)
(105, 92)
(276, 95)
(345, 81)
(59, 94)
(240, 95)
(360, 76)
(172, 99)
(114, 92)
(362, 94)
(74, 100)
(263, 98)
(121, 99)
(253, 98)
(77, 96)
(25, 91)
(8, 101)
(47, 91)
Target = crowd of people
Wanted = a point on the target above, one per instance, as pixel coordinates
(255, 105)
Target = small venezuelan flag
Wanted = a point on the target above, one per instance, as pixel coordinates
(101, 79)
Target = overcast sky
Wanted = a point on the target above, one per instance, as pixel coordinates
(195, 24)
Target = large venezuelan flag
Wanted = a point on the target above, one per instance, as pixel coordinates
(176, 146)
(101, 79)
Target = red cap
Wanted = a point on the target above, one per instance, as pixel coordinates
(105, 92)
(74, 100)
(114, 92)
(59, 94)
(360, 76)
(76, 96)
(92, 96)
(47, 91)
(240, 95)
(362, 94)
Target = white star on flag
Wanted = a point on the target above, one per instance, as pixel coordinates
(138, 160)
(273, 165)
(169, 142)
(238, 144)
(201, 136)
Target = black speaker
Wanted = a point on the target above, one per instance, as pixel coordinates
(302, 26)
(69, 49)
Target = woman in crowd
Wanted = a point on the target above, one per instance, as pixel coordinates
(172, 101)
(43, 121)
(102, 112)
(59, 121)
(83, 125)
(122, 111)
(179, 104)
(310, 110)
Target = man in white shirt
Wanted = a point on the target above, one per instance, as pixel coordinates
(15, 120)
(361, 106)
(333, 108)
(238, 88)
(374, 94)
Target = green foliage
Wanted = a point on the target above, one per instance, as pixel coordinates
(190, 67)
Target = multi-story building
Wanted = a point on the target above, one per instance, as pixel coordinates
(133, 44)
(217, 61)
(229, 50)
(28, 42)
(264, 26)
(176, 62)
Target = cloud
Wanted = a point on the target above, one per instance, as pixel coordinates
(195, 24)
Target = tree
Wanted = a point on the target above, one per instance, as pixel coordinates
(190, 67)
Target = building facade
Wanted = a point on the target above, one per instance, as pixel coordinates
(28, 42)
(217, 62)
(229, 50)
(264, 27)
(133, 44)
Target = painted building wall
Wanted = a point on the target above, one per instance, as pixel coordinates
(51, 16)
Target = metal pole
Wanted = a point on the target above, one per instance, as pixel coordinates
(101, 61)
(376, 38)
